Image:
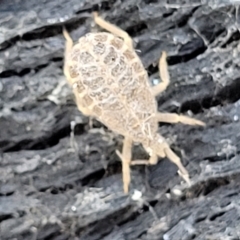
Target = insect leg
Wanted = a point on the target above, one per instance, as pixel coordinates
(175, 118)
(151, 161)
(68, 47)
(126, 161)
(164, 75)
(113, 29)
(175, 159)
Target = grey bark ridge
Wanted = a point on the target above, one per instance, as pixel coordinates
(61, 179)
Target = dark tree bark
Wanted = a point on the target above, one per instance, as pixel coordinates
(61, 178)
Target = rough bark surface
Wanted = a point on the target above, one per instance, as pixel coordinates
(60, 177)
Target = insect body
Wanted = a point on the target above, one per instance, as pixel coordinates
(111, 84)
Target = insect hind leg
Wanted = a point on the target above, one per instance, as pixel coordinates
(113, 29)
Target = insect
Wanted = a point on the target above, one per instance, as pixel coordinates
(110, 84)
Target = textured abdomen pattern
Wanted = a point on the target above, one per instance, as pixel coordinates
(112, 82)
